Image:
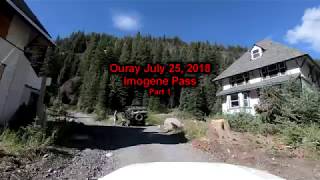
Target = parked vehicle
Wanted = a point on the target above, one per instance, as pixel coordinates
(136, 115)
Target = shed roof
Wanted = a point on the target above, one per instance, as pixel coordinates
(273, 52)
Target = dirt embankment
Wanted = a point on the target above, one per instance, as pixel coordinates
(257, 151)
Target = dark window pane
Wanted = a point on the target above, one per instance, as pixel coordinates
(246, 76)
(232, 80)
(256, 55)
(264, 72)
(255, 51)
(234, 97)
(245, 95)
(272, 67)
(282, 67)
(239, 79)
(234, 103)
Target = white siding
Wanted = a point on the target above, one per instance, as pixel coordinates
(18, 71)
(254, 100)
(292, 68)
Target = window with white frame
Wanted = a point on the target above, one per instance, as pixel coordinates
(234, 102)
(256, 52)
(245, 99)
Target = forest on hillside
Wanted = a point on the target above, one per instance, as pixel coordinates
(78, 67)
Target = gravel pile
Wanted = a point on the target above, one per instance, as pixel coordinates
(89, 164)
(70, 164)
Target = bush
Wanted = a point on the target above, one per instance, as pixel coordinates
(311, 138)
(243, 122)
(293, 135)
(30, 137)
(302, 136)
(195, 129)
(289, 104)
(101, 114)
(154, 119)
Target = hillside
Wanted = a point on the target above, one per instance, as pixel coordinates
(81, 60)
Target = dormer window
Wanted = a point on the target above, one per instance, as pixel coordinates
(256, 52)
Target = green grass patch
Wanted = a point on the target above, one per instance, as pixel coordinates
(194, 129)
(306, 136)
(154, 119)
(26, 138)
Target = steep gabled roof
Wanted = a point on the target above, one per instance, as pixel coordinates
(273, 52)
(22, 8)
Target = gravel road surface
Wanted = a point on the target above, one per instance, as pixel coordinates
(130, 145)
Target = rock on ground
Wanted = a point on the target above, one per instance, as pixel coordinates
(171, 124)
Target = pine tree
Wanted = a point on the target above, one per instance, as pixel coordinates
(103, 92)
(154, 104)
(118, 94)
(145, 101)
(165, 56)
(126, 52)
(157, 53)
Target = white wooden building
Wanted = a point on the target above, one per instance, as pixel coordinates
(267, 63)
(23, 43)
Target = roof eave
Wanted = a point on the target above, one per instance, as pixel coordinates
(304, 54)
(31, 22)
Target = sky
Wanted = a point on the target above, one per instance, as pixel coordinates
(228, 22)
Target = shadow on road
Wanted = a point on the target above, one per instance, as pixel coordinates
(80, 136)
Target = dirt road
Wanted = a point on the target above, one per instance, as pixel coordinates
(131, 145)
(157, 152)
(91, 149)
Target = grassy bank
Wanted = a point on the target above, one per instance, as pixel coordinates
(295, 135)
(27, 138)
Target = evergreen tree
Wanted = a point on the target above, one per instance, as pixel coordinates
(125, 56)
(118, 94)
(88, 56)
(154, 104)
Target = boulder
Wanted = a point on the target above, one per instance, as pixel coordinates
(218, 130)
(172, 124)
(69, 90)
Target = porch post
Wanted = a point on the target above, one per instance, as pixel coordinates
(241, 103)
